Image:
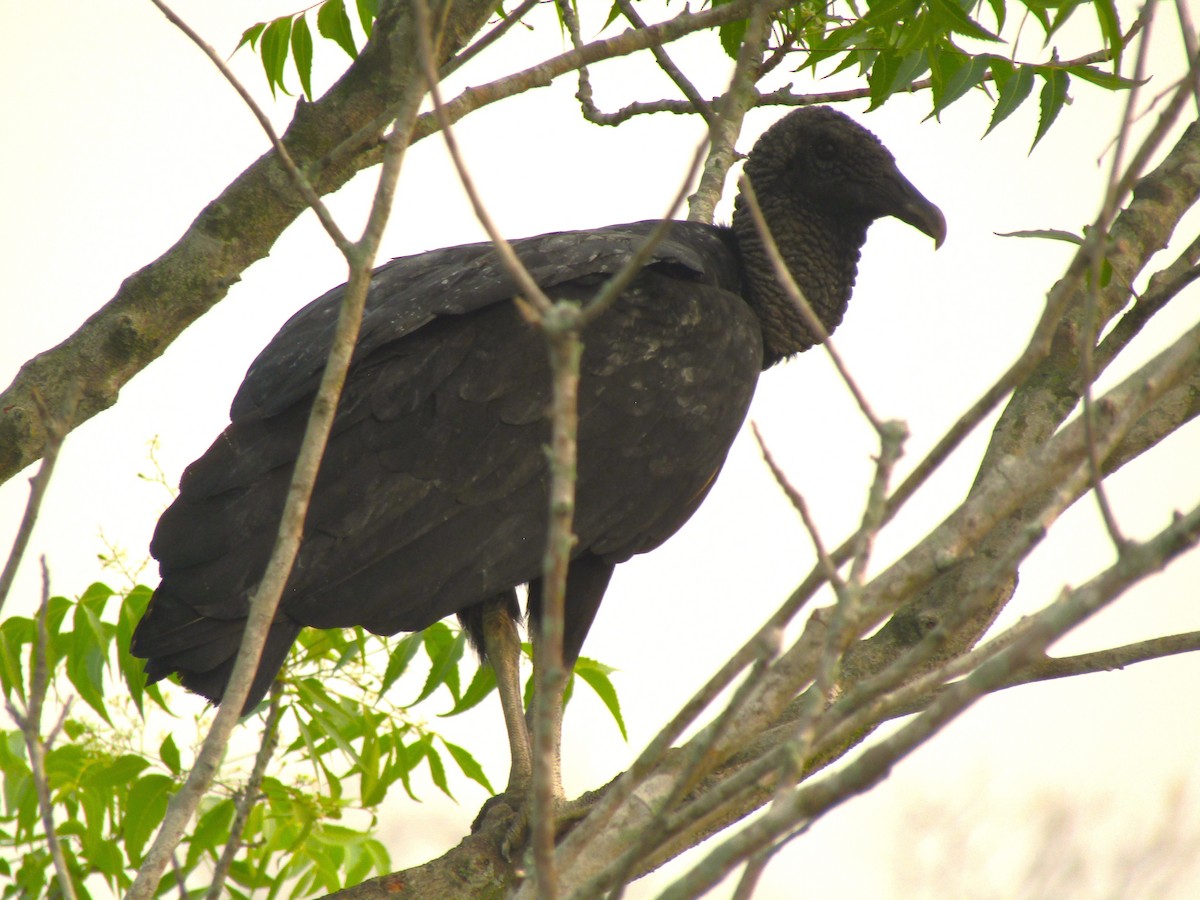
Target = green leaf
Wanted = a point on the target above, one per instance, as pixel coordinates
(1110, 27)
(732, 34)
(444, 649)
(1037, 8)
(169, 754)
(595, 675)
(469, 766)
(955, 18)
(436, 770)
(274, 51)
(116, 775)
(1052, 99)
(368, 11)
(1050, 234)
(882, 78)
(883, 13)
(1065, 10)
(482, 684)
(912, 67)
(371, 790)
(250, 36)
(302, 54)
(1014, 89)
(144, 809)
(85, 670)
(330, 720)
(1000, 11)
(211, 832)
(133, 607)
(959, 74)
(12, 673)
(1104, 79)
(334, 24)
(401, 656)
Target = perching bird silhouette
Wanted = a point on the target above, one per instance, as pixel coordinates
(432, 497)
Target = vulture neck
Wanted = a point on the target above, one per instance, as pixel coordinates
(821, 252)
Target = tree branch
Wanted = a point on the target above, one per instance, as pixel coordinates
(155, 304)
(55, 426)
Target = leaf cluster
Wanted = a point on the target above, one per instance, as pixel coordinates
(290, 35)
(895, 45)
(906, 45)
(343, 746)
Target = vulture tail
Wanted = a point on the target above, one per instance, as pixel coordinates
(172, 637)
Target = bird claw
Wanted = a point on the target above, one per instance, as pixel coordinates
(509, 814)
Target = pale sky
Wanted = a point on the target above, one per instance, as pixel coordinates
(118, 132)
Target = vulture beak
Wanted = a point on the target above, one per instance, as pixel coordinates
(909, 205)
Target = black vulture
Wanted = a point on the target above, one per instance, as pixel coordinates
(432, 495)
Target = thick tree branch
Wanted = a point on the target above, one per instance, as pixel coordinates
(155, 304)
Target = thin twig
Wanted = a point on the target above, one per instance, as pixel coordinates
(1164, 286)
(787, 96)
(702, 106)
(248, 795)
(360, 257)
(798, 503)
(1088, 333)
(785, 280)
(301, 183)
(56, 426)
(1187, 31)
(615, 877)
(613, 287)
(476, 47)
(30, 723)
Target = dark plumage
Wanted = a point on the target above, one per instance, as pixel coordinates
(432, 496)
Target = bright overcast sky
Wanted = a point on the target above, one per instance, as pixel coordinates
(117, 132)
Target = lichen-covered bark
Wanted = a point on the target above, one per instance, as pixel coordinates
(331, 139)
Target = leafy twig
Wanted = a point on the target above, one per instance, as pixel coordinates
(30, 723)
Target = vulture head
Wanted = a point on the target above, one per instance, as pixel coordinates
(821, 180)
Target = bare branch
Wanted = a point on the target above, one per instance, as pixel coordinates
(55, 425)
(731, 108)
(699, 104)
(468, 53)
(781, 479)
(786, 96)
(360, 257)
(248, 794)
(808, 802)
(1164, 286)
(155, 304)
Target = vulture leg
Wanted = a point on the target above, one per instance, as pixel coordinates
(587, 579)
(502, 647)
